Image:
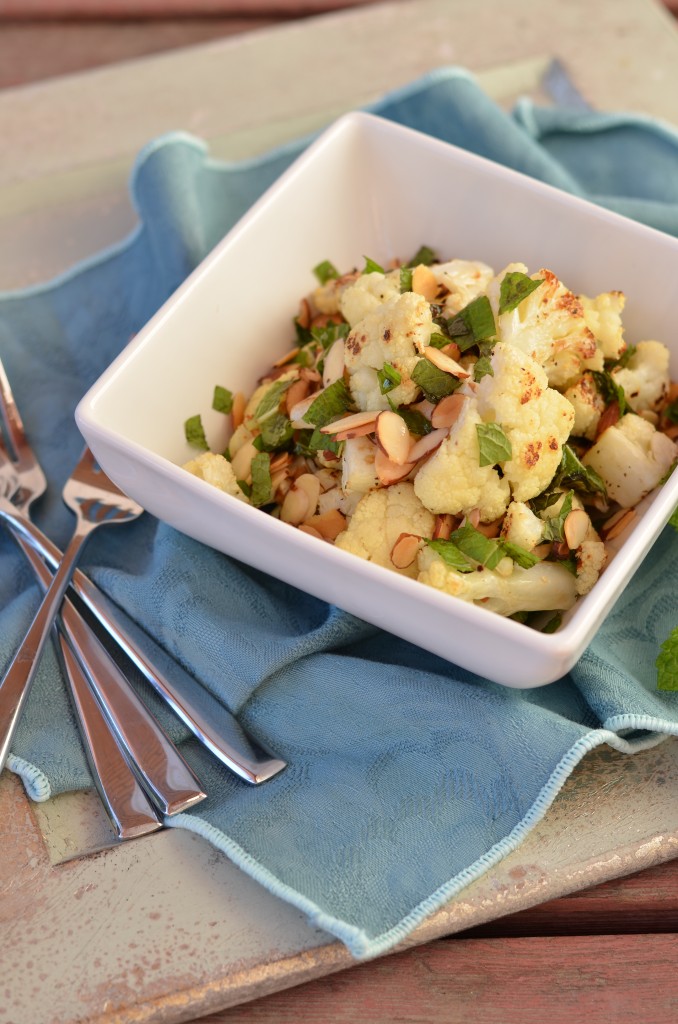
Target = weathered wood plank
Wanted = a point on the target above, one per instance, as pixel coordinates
(485, 981)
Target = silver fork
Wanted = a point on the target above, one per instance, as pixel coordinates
(208, 719)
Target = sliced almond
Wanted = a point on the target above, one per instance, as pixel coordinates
(286, 358)
(393, 437)
(296, 392)
(575, 528)
(608, 418)
(445, 362)
(305, 528)
(447, 410)
(473, 517)
(299, 410)
(671, 431)
(348, 435)
(617, 523)
(304, 315)
(238, 409)
(390, 472)
(442, 527)
(296, 507)
(404, 551)
(310, 374)
(424, 282)
(427, 444)
(328, 524)
(241, 463)
(277, 483)
(279, 461)
(490, 530)
(352, 422)
(424, 407)
(310, 485)
(333, 367)
(452, 350)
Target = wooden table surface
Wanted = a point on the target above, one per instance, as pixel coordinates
(600, 955)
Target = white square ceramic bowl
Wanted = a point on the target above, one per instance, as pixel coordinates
(368, 187)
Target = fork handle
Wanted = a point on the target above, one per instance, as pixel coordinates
(162, 770)
(16, 683)
(215, 727)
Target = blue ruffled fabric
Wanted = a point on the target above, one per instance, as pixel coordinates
(408, 777)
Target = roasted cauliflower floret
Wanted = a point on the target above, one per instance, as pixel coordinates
(326, 298)
(588, 405)
(548, 325)
(453, 480)
(521, 526)
(367, 293)
(216, 470)
(547, 586)
(603, 318)
(396, 333)
(536, 419)
(379, 519)
(631, 457)
(645, 377)
(461, 281)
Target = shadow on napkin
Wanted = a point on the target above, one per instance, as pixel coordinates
(408, 777)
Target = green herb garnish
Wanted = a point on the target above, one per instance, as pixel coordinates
(325, 271)
(434, 382)
(388, 378)
(270, 402)
(275, 433)
(371, 267)
(554, 529)
(493, 443)
(405, 279)
(482, 367)
(438, 340)
(415, 421)
(515, 287)
(451, 555)
(521, 556)
(329, 404)
(474, 323)
(611, 391)
(476, 545)
(424, 255)
(222, 400)
(553, 624)
(261, 493)
(195, 432)
(573, 473)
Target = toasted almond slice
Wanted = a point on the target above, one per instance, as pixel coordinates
(296, 392)
(473, 517)
(390, 472)
(442, 527)
(427, 444)
(304, 315)
(279, 461)
(348, 435)
(490, 530)
(445, 362)
(617, 523)
(393, 437)
(405, 549)
(328, 524)
(286, 358)
(672, 393)
(609, 417)
(299, 410)
(310, 485)
(241, 463)
(277, 481)
(671, 431)
(452, 350)
(575, 528)
(424, 282)
(311, 531)
(333, 367)
(238, 409)
(424, 407)
(542, 550)
(296, 507)
(310, 374)
(352, 422)
(447, 410)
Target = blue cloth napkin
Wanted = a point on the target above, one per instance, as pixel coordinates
(408, 777)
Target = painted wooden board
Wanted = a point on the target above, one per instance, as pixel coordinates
(165, 929)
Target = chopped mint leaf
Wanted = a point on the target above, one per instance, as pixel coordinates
(388, 378)
(493, 443)
(554, 529)
(438, 340)
(405, 279)
(553, 624)
(667, 663)
(329, 404)
(611, 391)
(270, 402)
(475, 321)
(515, 287)
(371, 267)
(573, 473)
(521, 556)
(245, 487)
(275, 433)
(325, 271)
(424, 255)
(625, 357)
(195, 432)
(434, 382)
(329, 333)
(303, 334)
(482, 368)
(451, 555)
(474, 544)
(222, 400)
(415, 421)
(310, 442)
(261, 480)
